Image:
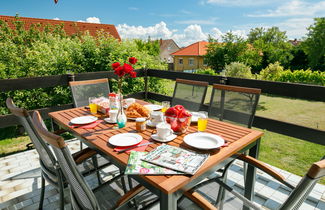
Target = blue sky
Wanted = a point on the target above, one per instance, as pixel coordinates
(185, 21)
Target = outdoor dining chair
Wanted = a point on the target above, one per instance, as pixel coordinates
(190, 94)
(82, 197)
(82, 90)
(298, 194)
(48, 162)
(235, 104)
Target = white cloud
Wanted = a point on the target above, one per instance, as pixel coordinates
(56, 18)
(90, 20)
(296, 27)
(191, 34)
(211, 21)
(240, 3)
(295, 8)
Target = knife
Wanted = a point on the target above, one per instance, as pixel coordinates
(139, 145)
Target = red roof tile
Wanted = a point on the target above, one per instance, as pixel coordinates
(70, 27)
(197, 49)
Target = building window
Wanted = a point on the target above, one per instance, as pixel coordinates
(180, 61)
(191, 61)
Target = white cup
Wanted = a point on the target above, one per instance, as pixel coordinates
(164, 130)
(113, 115)
(129, 101)
(156, 117)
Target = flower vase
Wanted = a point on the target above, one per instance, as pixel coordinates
(121, 117)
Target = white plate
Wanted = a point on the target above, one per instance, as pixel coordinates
(83, 120)
(151, 124)
(108, 120)
(125, 139)
(204, 140)
(195, 116)
(169, 138)
(153, 107)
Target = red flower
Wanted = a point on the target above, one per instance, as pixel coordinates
(119, 71)
(133, 74)
(115, 65)
(127, 68)
(133, 60)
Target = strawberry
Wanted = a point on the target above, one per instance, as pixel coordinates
(184, 114)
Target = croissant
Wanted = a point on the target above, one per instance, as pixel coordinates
(133, 114)
(141, 110)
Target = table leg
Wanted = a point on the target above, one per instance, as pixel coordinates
(251, 174)
(168, 201)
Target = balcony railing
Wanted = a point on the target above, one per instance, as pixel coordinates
(297, 91)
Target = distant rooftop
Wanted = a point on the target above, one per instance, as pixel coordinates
(70, 27)
(196, 49)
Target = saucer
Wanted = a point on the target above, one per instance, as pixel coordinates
(169, 138)
(151, 124)
(108, 120)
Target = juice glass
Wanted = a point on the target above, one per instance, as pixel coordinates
(202, 121)
(165, 105)
(92, 105)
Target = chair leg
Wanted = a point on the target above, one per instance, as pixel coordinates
(222, 192)
(95, 162)
(80, 144)
(61, 198)
(42, 192)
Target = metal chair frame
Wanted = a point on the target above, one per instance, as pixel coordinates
(189, 104)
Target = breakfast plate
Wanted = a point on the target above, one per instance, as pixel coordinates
(83, 120)
(125, 139)
(153, 107)
(204, 140)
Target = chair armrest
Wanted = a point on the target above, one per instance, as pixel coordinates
(129, 195)
(199, 200)
(262, 166)
(82, 155)
(59, 132)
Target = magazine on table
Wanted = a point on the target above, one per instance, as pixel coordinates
(137, 166)
(176, 158)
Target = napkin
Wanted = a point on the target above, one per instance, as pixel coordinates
(87, 126)
(139, 149)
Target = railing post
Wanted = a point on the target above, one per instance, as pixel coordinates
(71, 77)
(145, 83)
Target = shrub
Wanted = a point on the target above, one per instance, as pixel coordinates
(303, 76)
(208, 71)
(272, 72)
(236, 69)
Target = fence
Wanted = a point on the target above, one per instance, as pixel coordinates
(299, 91)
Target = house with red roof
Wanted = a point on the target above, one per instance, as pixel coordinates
(190, 57)
(70, 27)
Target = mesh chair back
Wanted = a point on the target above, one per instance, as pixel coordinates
(82, 90)
(234, 103)
(190, 94)
(84, 197)
(47, 158)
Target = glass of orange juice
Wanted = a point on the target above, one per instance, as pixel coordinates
(165, 105)
(202, 121)
(92, 105)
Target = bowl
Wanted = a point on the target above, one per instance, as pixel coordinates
(179, 125)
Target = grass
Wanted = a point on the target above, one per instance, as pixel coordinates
(13, 145)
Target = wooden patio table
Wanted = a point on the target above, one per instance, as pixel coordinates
(169, 188)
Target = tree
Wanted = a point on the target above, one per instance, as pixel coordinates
(232, 48)
(314, 45)
(272, 43)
